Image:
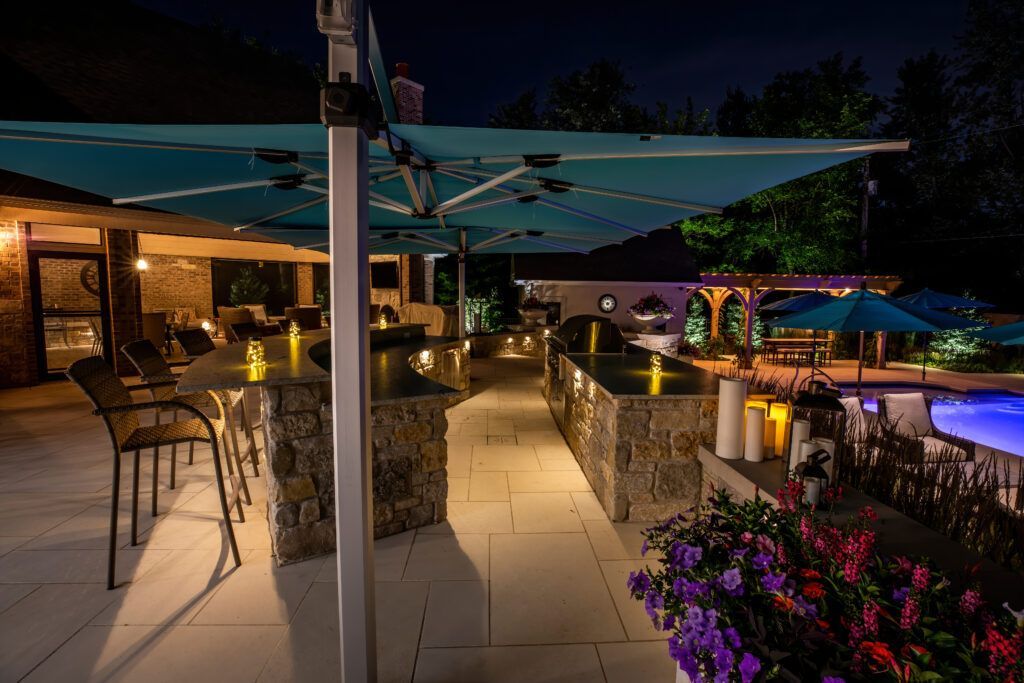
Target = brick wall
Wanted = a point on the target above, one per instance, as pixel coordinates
(60, 283)
(17, 338)
(304, 275)
(173, 282)
(380, 296)
(125, 293)
(408, 99)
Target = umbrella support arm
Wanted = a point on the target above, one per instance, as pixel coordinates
(462, 283)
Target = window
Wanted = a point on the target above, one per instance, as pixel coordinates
(253, 282)
(384, 275)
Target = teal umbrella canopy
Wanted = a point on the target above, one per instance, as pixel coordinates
(941, 301)
(430, 187)
(795, 304)
(865, 311)
(1008, 335)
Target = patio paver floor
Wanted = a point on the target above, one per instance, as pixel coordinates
(525, 582)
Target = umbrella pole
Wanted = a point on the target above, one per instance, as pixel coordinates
(814, 350)
(924, 358)
(462, 283)
(860, 362)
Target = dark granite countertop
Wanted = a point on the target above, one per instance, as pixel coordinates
(307, 359)
(628, 376)
(897, 533)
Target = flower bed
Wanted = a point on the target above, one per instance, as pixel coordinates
(748, 592)
(652, 304)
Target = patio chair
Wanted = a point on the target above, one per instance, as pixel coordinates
(911, 419)
(308, 317)
(194, 342)
(239, 324)
(112, 401)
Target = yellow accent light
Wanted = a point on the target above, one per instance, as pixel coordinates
(382, 322)
(655, 363)
(294, 329)
(141, 264)
(255, 354)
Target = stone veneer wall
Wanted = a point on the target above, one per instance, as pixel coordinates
(640, 455)
(17, 336)
(173, 282)
(409, 456)
(509, 344)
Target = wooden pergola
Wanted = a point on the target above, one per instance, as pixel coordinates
(751, 288)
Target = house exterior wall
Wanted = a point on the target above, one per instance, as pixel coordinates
(304, 291)
(173, 282)
(17, 337)
(60, 284)
(581, 299)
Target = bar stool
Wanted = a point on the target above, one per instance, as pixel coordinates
(112, 401)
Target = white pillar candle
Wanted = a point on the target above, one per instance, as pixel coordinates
(753, 448)
(770, 431)
(801, 431)
(729, 440)
(806, 448)
(830, 446)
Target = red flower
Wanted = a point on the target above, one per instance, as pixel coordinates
(809, 574)
(868, 513)
(783, 603)
(814, 590)
(880, 655)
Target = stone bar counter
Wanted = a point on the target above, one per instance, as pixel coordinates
(634, 434)
(413, 378)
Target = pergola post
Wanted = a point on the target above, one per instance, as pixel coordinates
(880, 343)
(715, 296)
(349, 240)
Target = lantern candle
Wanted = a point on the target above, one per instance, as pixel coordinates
(254, 353)
(655, 363)
(382, 322)
(294, 329)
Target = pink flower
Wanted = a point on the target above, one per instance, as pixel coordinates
(764, 544)
(910, 614)
(870, 616)
(970, 602)
(920, 578)
(746, 537)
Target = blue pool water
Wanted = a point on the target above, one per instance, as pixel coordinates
(991, 418)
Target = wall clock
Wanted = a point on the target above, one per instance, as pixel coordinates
(607, 303)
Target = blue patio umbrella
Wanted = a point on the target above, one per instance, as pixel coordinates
(804, 302)
(865, 311)
(939, 301)
(1008, 335)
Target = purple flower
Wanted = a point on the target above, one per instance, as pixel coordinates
(732, 636)
(833, 679)
(749, 666)
(643, 548)
(900, 594)
(762, 561)
(723, 659)
(686, 556)
(804, 608)
(687, 590)
(732, 582)
(638, 582)
(654, 602)
(739, 552)
(772, 583)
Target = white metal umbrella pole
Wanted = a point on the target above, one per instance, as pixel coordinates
(462, 283)
(349, 240)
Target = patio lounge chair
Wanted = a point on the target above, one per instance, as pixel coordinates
(239, 324)
(194, 342)
(308, 316)
(112, 401)
(911, 419)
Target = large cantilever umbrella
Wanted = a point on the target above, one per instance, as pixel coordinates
(796, 304)
(1007, 335)
(431, 189)
(865, 311)
(942, 302)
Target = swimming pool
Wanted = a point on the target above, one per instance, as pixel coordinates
(991, 418)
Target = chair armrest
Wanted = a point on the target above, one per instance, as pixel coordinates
(159, 380)
(166, 405)
(151, 385)
(960, 442)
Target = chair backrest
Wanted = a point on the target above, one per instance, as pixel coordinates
(241, 331)
(388, 313)
(104, 389)
(908, 412)
(854, 414)
(259, 313)
(195, 342)
(147, 359)
(154, 326)
(230, 316)
(308, 317)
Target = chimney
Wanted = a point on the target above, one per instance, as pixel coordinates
(408, 95)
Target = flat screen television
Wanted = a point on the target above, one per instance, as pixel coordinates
(384, 275)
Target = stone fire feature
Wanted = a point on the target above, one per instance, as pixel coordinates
(640, 452)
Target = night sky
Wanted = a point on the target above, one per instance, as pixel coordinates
(472, 56)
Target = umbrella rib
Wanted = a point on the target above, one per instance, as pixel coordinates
(433, 195)
(387, 207)
(393, 204)
(410, 185)
(617, 194)
(294, 209)
(506, 236)
(430, 240)
(544, 201)
(494, 201)
(498, 179)
(554, 245)
(191, 192)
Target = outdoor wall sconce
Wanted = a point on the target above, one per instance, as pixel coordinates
(655, 363)
(141, 264)
(382, 322)
(294, 329)
(255, 354)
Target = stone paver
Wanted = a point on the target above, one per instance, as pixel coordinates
(524, 582)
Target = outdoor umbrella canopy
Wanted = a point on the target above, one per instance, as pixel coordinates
(804, 302)
(1007, 335)
(865, 311)
(432, 189)
(939, 301)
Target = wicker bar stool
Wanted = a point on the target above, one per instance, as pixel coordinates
(195, 343)
(112, 401)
